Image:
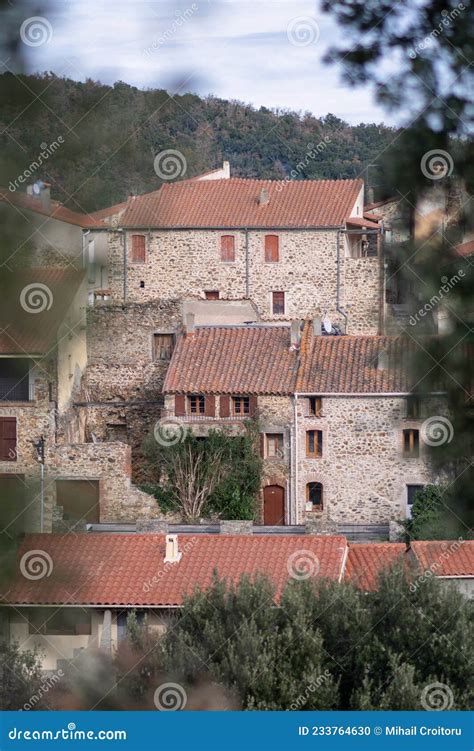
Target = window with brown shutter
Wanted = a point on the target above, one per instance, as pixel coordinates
(224, 406)
(138, 249)
(272, 249)
(314, 443)
(227, 248)
(274, 445)
(315, 406)
(241, 405)
(8, 439)
(411, 443)
(278, 303)
(163, 345)
(196, 404)
(179, 405)
(209, 405)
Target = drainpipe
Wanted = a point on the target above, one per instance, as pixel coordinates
(383, 278)
(338, 278)
(295, 458)
(124, 266)
(84, 238)
(247, 264)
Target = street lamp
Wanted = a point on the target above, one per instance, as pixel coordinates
(39, 448)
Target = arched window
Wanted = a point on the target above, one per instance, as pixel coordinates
(314, 495)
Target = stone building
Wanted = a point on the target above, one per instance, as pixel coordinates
(341, 435)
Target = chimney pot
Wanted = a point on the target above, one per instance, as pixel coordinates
(295, 334)
(264, 197)
(172, 553)
(317, 326)
(189, 323)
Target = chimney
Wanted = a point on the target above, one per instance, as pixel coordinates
(189, 324)
(263, 198)
(172, 554)
(225, 170)
(370, 195)
(382, 360)
(295, 335)
(317, 326)
(41, 191)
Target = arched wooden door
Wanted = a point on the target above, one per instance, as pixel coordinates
(273, 505)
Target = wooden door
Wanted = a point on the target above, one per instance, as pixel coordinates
(273, 505)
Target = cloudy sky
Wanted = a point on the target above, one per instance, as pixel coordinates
(265, 52)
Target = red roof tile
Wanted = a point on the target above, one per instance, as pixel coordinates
(234, 203)
(353, 364)
(445, 558)
(366, 561)
(364, 223)
(24, 332)
(129, 569)
(465, 249)
(232, 360)
(56, 210)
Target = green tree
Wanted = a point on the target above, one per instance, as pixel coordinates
(20, 677)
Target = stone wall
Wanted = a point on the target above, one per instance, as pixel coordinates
(362, 470)
(186, 263)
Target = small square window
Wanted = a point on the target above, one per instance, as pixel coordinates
(241, 405)
(314, 495)
(315, 406)
(411, 443)
(274, 443)
(196, 404)
(211, 294)
(278, 303)
(413, 407)
(314, 443)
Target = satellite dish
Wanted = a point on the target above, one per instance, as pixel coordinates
(327, 324)
(37, 188)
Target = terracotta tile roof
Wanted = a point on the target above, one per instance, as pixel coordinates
(110, 211)
(357, 221)
(232, 360)
(24, 332)
(56, 211)
(377, 204)
(366, 561)
(465, 249)
(445, 558)
(349, 364)
(234, 203)
(129, 569)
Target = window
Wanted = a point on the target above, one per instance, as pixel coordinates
(413, 407)
(138, 249)
(411, 443)
(163, 345)
(196, 404)
(59, 622)
(314, 443)
(315, 406)
(211, 294)
(8, 439)
(412, 490)
(278, 303)
(241, 405)
(227, 248)
(274, 445)
(14, 379)
(314, 495)
(272, 249)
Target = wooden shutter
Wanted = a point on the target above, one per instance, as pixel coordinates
(225, 406)
(179, 405)
(8, 439)
(210, 405)
(252, 405)
(272, 248)
(262, 445)
(138, 249)
(227, 248)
